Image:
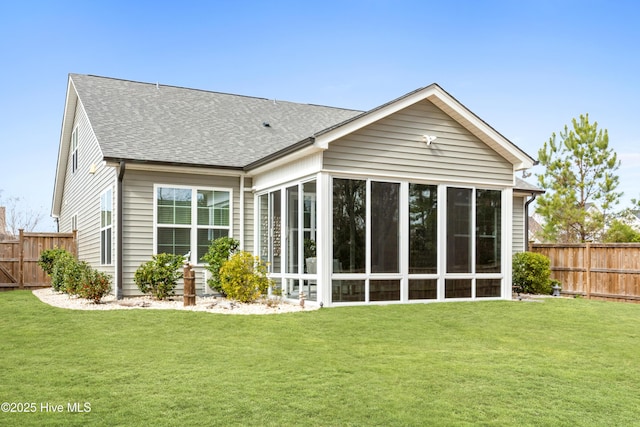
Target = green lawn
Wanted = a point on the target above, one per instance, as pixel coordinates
(557, 362)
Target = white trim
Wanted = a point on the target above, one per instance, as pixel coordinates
(110, 227)
(507, 242)
(423, 178)
(189, 170)
(450, 106)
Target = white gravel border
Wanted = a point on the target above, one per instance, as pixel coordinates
(206, 304)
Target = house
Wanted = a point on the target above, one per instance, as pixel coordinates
(412, 201)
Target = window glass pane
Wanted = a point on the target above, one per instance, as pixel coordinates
(221, 205)
(457, 288)
(488, 288)
(292, 230)
(423, 289)
(384, 290)
(423, 228)
(276, 286)
(309, 191)
(174, 205)
(276, 231)
(458, 230)
(263, 228)
(349, 237)
(109, 233)
(385, 227)
(205, 207)
(106, 209)
(347, 290)
(488, 231)
(105, 246)
(310, 289)
(292, 288)
(175, 241)
(205, 237)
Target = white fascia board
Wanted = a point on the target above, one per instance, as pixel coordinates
(480, 129)
(322, 140)
(446, 103)
(195, 170)
(63, 148)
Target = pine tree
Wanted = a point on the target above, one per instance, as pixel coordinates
(580, 172)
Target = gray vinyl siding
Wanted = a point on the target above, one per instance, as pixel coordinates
(394, 146)
(518, 240)
(82, 191)
(138, 225)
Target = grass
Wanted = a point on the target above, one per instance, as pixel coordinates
(557, 362)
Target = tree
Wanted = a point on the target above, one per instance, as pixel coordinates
(619, 232)
(18, 216)
(580, 170)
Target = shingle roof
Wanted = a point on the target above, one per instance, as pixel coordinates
(168, 124)
(523, 185)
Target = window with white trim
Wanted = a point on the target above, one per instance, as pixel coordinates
(74, 150)
(188, 219)
(106, 226)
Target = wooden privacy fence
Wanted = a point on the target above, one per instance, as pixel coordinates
(609, 271)
(19, 267)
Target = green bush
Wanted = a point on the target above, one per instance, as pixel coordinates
(531, 273)
(95, 285)
(244, 277)
(218, 253)
(55, 262)
(74, 277)
(159, 277)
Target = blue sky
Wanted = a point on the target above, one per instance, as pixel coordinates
(525, 67)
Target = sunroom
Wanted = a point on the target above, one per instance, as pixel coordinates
(410, 202)
(355, 239)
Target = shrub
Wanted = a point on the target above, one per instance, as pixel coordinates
(218, 253)
(55, 262)
(74, 276)
(244, 277)
(95, 285)
(159, 277)
(531, 272)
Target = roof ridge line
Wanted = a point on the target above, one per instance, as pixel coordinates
(216, 92)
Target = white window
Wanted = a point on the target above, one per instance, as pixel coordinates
(106, 226)
(74, 150)
(189, 219)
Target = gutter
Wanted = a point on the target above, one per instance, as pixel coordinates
(119, 233)
(526, 219)
(278, 154)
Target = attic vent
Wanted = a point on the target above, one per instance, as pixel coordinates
(266, 124)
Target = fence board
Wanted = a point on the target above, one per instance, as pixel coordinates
(19, 267)
(595, 270)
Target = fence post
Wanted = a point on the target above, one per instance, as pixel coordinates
(189, 294)
(21, 260)
(587, 265)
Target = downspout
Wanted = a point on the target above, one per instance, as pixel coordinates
(526, 219)
(119, 233)
(241, 212)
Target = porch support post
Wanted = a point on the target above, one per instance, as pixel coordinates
(323, 238)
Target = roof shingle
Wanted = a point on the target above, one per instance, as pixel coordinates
(168, 124)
